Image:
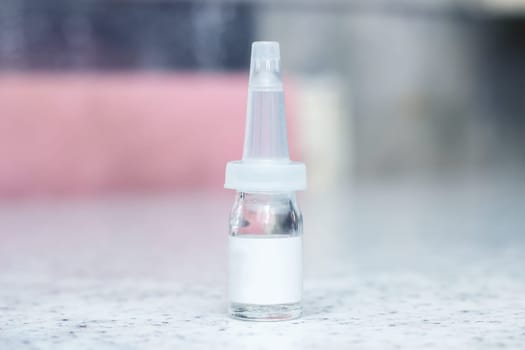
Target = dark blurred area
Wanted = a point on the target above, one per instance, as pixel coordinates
(123, 35)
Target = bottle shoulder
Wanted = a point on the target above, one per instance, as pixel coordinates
(266, 214)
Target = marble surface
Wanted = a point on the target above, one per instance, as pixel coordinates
(415, 266)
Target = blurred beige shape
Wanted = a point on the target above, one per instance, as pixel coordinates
(325, 131)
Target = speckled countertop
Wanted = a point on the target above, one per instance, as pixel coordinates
(416, 267)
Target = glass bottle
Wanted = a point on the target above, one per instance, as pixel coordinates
(265, 280)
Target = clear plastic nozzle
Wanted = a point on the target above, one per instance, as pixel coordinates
(265, 164)
(265, 135)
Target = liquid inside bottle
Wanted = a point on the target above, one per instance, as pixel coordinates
(265, 244)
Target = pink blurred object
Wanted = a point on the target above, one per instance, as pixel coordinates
(63, 134)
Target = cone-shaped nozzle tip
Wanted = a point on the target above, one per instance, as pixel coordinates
(265, 67)
(265, 135)
(265, 50)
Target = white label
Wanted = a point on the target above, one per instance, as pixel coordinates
(266, 270)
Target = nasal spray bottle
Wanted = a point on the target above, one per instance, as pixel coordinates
(266, 225)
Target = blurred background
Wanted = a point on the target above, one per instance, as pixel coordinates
(117, 118)
(127, 96)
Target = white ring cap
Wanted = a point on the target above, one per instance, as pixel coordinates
(265, 176)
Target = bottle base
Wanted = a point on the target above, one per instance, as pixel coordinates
(265, 313)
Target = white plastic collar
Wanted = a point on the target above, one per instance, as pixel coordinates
(265, 176)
